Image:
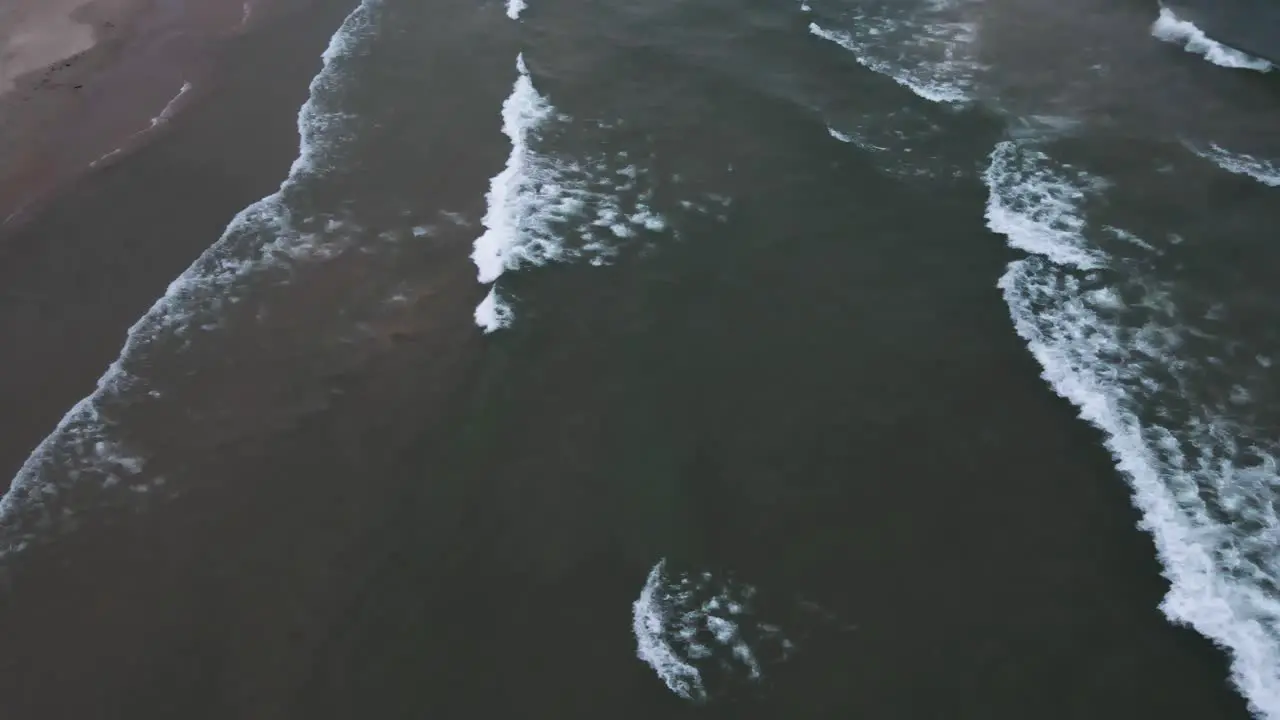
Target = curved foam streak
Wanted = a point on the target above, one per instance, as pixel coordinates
(523, 112)
(85, 445)
(493, 313)
(649, 617)
(699, 633)
(1264, 171)
(1170, 28)
(929, 90)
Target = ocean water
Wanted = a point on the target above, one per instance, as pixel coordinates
(772, 310)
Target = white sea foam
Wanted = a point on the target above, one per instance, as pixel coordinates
(1112, 343)
(842, 137)
(1033, 203)
(1264, 171)
(493, 313)
(509, 191)
(166, 114)
(543, 207)
(688, 624)
(852, 139)
(1170, 28)
(86, 453)
(925, 47)
(514, 8)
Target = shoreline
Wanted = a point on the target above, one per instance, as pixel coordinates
(89, 80)
(82, 264)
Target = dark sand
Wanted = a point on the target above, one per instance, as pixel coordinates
(92, 262)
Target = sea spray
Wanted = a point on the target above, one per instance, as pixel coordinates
(1260, 169)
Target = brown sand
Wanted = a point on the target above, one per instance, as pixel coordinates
(36, 36)
(80, 79)
(81, 636)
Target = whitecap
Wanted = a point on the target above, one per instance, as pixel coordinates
(545, 207)
(493, 313)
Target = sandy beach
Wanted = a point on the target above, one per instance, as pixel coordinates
(38, 36)
(85, 80)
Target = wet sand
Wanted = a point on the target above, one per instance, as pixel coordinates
(74, 278)
(215, 607)
(81, 79)
(71, 282)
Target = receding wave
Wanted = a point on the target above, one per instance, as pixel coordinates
(89, 457)
(1112, 337)
(1172, 29)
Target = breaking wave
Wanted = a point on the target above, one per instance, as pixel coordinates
(547, 205)
(89, 457)
(1169, 28)
(1147, 362)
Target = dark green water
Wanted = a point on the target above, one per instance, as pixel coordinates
(767, 432)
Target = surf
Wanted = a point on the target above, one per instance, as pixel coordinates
(699, 632)
(1172, 29)
(924, 47)
(1110, 338)
(1259, 169)
(547, 205)
(89, 454)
